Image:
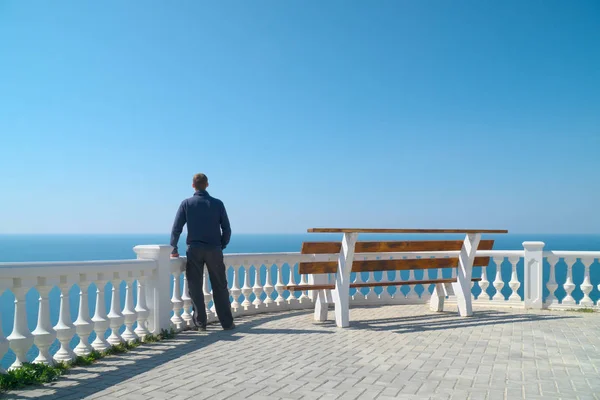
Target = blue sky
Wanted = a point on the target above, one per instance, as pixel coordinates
(462, 114)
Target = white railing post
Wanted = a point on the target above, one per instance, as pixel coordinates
(65, 330)
(20, 339)
(44, 334)
(83, 325)
(158, 286)
(129, 314)
(533, 275)
(3, 341)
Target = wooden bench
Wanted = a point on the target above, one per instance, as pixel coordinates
(464, 261)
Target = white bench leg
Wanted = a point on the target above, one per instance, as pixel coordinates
(437, 298)
(320, 297)
(462, 287)
(321, 306)
(341, 294)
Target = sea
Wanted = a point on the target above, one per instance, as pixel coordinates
(24, 248)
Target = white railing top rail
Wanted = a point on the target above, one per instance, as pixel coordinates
(35, 269)
(572, 254)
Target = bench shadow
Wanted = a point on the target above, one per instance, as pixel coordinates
(450, 320)
(81, 382)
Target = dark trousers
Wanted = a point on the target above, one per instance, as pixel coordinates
(217, 272)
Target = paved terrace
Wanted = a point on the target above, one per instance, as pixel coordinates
(404, 352)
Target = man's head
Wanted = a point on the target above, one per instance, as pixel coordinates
(200, 182)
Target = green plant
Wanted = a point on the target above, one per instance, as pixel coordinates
(37, 374)
(31, 374)
(583, 310)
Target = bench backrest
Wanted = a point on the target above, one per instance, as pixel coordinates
(327, 267)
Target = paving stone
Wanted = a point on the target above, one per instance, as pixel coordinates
(402, 352)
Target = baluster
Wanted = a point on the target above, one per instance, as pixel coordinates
(291, 299)
(20, 339)
(359, 295)
(371, 293)
(246, 289)
(257, 288)
(398, 294)
(64, 328)
(498, 282)
(412, 295)
(514, 283)
(100, 318)
(141, 308)
(484, 284)
(586, 286)
(83, 324)
(187, 302)
(3, 341)
(129, 312)
(43, 335)
(268, 287)
(385, 295)
(176, 299)
(426, 294)
(235, 289)
(552, 285)
(207, 293)
(304, 293)
(569, 286)
(279, 286)
(115, 316)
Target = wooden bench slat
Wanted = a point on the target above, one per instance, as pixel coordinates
(391, 246)
(330, 267)
(366, 230)
(374, 284)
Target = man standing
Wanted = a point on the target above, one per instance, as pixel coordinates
(208, 235)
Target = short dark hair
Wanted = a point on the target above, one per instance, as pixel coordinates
(200, 181)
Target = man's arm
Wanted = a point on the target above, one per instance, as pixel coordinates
(180, 221)
(225, 228)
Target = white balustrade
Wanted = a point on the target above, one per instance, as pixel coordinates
(359, 295)
(246, 289)
(303, 296)
(83, 325)
(176, 299)
(569, 286)
(65, 330)
(235, 291)
(552, 286)
(291, 299)
(115, 316)
(141, 309)
(268, 286)
(586, 286)
(514, 283)
(498, 282)
(412, 295)
(129, 314)
(3, 342)
(257, 289)
(279, 286)
(187, 301)
(100, 318)
(44, 334)
(151, 301)
(20, 339)
(483, 285)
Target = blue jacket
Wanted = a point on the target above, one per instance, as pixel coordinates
(207, 222)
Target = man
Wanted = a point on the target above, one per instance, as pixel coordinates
(208, 235)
